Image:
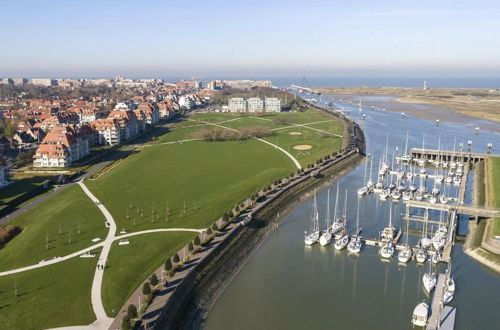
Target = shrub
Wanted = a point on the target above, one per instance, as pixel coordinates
(132, 311)
(153, 279)
(225, 217)
(146, 289)
(7, 233)
(197, 241)
(176, 258)
(215, 227)
(231, 214)
(209, 231)
(168, 264)
(126, 323)
(190, 246)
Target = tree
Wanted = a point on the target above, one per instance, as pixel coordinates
(146, 289)
(132, 311)
(197, 241)
(190, 246)
(168, 265)
(176, 258)
(225, 217)
(126, 323)
(153, 280)
(215, 227)
(209, 231)
(231, 214)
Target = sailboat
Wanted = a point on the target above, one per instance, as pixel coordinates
(405, 254)
(406, 157)
(420, 315)
(313, 237)
(337, 224)
(425, 241)
(429, 280)
(370, 184)
(356, 242)
(364, 189)
(439, 238)
(387, 237)
(326, 236)
(343, 240)
(450, 286)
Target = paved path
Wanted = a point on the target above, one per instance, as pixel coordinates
(103, 321)
(294, 160)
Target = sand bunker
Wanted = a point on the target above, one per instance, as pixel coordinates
(302, 147)
(295, 133)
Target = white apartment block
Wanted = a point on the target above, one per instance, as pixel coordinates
(272, 104)
(255, 104)
(237, 104)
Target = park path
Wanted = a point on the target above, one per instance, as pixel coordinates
(294, 160)
(102, 321)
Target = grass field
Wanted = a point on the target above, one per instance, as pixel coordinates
(52, 296)
(495, 162)
(66, 212)
(129, 265)
(19, 187)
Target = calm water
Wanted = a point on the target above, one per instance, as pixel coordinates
(286, 285)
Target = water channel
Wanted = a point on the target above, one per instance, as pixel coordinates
(287, 285)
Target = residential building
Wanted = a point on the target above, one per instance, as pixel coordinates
(272, 104)
(3, 172)
(237, 104)
(255, 104)
(61, 147)
(108, 131)
(186, 102)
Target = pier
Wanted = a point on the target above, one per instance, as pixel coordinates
(432, 154)
(442, 317)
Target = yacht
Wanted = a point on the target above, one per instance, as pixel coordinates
(385, 193)
(426, 242)
(433, 199)
(429, 280)
(343, 240)
(407, 195)
(326, 236)
(443, 199)
(364, 189)
(457, 180)
(448, 179)
(395, 194)
(356, 243)
(406, 253)
(436, 257)
(418, 196)
(421, 255)
(313, 237)
(389, 232)
(420, 315)
(387, 250)
(439, 178)
(337, 224)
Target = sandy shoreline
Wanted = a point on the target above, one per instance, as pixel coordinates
(418, 109)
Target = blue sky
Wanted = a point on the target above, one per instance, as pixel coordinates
(250, 38)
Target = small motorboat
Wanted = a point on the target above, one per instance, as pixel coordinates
(420, 315)
(405, 254)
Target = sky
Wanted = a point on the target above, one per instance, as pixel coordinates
(146, 38)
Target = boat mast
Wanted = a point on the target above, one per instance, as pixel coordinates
(357, 219)
(406, 144)
(371, 167)
(345, 212)
(315, 214)
(327, 219)
(336, 203)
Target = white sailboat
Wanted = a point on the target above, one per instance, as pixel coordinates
(429, 279)
(356, 242)
(420, 315)
(387, 251)
(343, 240)
(326, 236)
(337, 224)
(406, 157)
(370, 184)
(313, 237)
(364, 189)
(389, 232)
(405, 254)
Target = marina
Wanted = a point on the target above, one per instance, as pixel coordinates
(416, 221)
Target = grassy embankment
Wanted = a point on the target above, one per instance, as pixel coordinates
(495, 181)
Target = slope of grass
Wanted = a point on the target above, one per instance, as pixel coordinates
(59, 219)
(20, 187)
(129, 265)
(495, 169)
(197, 181)
(52, 296)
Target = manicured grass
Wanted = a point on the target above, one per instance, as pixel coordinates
(495, 164)
(52, 296)
(129, 265)
(19, 187)
(65, 212)
(198, 181)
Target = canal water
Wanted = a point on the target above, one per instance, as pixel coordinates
(287, 285)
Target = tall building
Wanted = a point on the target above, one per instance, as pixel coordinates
(272, 104)
(255, 104)
(237, 104)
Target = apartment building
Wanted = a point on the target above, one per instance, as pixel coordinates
(237, 104)
(272, 104)
(255, 104)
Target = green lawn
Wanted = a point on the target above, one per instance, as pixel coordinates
(129, 265)
(65, 212)
(198, 181)
(495, 162)
(19, 187)
(52, 296)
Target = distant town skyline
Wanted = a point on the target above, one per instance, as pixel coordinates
(250, 38)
